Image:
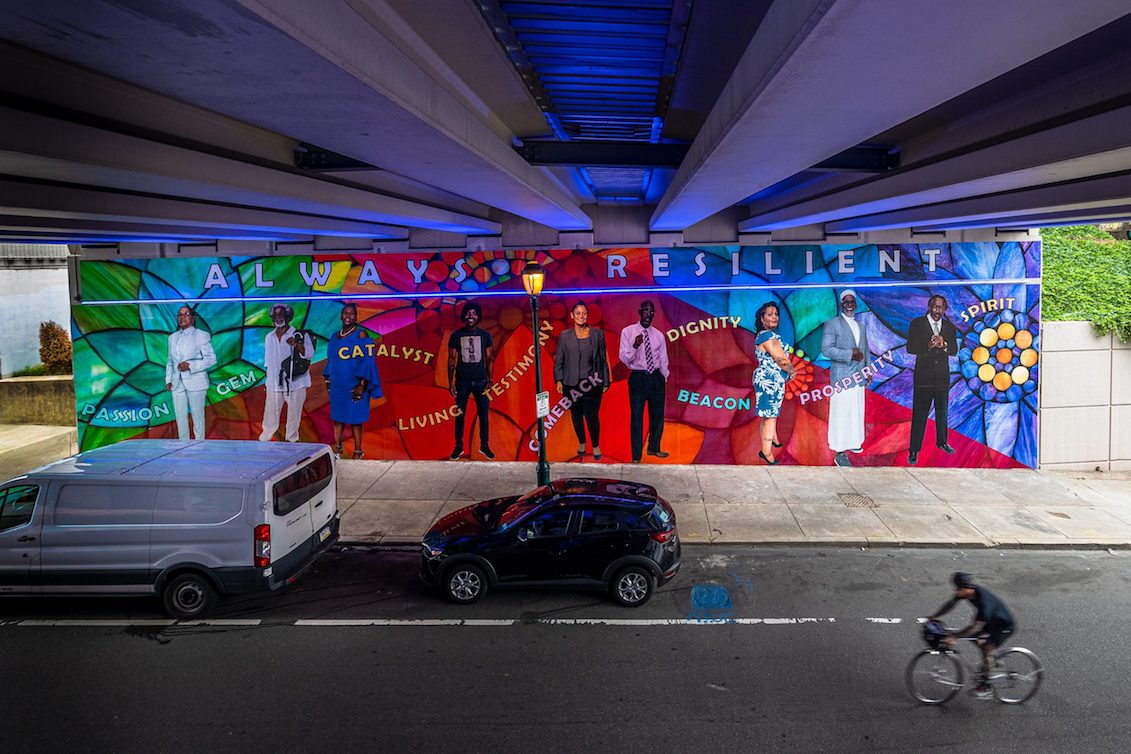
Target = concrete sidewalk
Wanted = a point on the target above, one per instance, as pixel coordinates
(395, 502)
(25, 446)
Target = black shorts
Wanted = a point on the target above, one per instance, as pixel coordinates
(996, 633)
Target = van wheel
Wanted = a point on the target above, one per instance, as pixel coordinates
(632, 586)
(189, 595)
(464, 583)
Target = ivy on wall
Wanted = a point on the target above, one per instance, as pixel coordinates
(1087, 276)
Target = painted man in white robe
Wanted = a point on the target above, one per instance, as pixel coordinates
(283, 385)
(844, 343)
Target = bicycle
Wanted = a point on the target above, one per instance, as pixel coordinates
(935, 674)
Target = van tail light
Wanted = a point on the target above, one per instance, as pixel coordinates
(663, 536)
(262, 546)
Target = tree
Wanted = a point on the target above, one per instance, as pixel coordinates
(54, 348)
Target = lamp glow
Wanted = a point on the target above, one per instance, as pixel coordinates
(532, 278)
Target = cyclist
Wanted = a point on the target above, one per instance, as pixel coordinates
(992, 624)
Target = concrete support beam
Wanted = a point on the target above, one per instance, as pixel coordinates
(519, 232)
(102, 229)
(26, 199)
(619, 224)
(821, 76)
(1093, 144)
(37, 146)
(1119, 213)
(1093, 195)
(419, 120)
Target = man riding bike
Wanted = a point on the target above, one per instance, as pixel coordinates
(992, 624)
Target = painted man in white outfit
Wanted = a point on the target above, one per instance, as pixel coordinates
(283, 386)
(186, 372)
(845, 343)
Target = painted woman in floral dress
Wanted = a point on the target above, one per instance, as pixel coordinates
(773, 372)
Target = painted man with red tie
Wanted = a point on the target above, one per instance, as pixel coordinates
(644, 350)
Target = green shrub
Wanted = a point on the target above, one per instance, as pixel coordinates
(54, 348)
(1086, 276)
(35, 370)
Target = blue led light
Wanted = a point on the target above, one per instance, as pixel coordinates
(567, 292)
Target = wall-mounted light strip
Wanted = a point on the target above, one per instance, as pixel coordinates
(567, 292)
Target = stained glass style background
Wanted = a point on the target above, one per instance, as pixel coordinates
(705, 300)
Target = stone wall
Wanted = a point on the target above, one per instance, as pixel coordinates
(38, 400)
(1085, 420)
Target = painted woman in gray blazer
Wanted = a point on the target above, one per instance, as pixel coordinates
(581, 373)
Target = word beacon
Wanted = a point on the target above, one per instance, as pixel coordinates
(724, 402)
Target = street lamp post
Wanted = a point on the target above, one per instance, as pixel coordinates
(532, 279)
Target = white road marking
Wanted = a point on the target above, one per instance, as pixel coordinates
(389, 622)
(428, 622)
(218, 622)
(92, 623)
(563, 622)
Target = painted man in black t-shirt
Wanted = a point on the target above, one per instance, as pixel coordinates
(471, 356)
(992, 624)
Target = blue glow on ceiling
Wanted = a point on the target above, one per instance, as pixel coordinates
(603, 65)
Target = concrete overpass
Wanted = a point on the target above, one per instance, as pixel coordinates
(393, 124)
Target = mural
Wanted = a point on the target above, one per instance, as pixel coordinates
(861, 353)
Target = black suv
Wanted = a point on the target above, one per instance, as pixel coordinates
(603, 533)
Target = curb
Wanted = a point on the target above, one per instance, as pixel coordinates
(414, 544)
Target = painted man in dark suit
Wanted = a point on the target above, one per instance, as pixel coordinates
(932, 339)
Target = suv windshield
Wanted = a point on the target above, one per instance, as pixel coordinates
(524, 505)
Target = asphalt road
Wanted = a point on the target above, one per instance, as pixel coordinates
(360, 656)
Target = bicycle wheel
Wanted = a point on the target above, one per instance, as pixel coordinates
(933, 677)
(1017, 677)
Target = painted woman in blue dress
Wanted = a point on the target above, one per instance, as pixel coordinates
(351, 379)
(770, 378)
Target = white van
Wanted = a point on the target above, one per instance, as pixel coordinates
(186, 519)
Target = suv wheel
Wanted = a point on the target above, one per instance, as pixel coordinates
(464, 583)
(189, 596)
(632, 586)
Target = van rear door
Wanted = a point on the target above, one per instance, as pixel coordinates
(302, 504)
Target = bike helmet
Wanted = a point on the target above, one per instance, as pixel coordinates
(962, 580)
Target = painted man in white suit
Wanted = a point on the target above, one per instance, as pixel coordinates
(844, 342)
(186, 372)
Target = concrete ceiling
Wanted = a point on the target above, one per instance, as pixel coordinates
(178, 120)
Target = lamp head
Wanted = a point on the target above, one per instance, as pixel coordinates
(533, 277)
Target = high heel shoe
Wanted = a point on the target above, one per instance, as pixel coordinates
(596, 453)
(775, 443)
(581, 451)
(337, 451)
(767, 460)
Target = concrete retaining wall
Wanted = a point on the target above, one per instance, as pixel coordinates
(1085, 399)
(38, 400)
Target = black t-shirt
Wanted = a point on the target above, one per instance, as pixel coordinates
(471, 346)
(990, 608)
